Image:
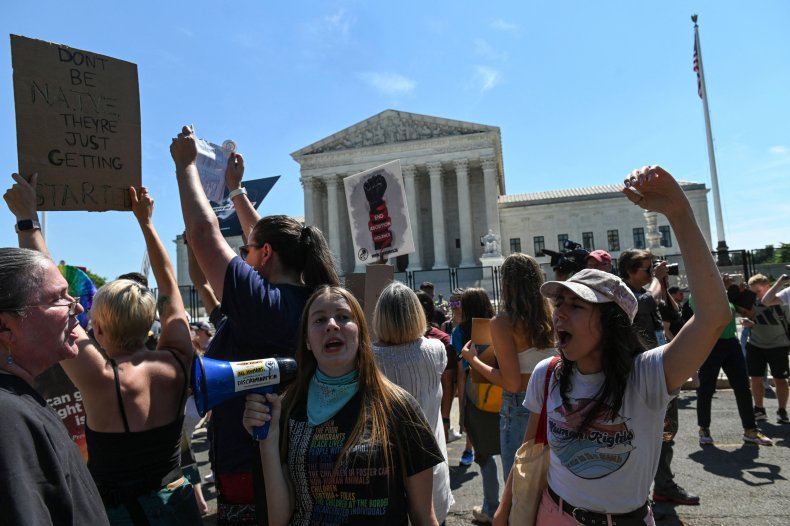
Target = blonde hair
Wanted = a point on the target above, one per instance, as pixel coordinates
(126, 310)
(398, 317)
(758, 279)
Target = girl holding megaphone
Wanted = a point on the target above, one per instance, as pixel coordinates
(344, 442)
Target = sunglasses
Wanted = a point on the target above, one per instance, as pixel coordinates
(72, 305)
(455, 304)
(244, 250)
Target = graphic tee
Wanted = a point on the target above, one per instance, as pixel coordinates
(361, 491)
(610, 467)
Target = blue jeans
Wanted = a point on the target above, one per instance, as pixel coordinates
(513, 419)
(490, 486)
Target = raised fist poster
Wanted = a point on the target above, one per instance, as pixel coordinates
(380, 226)
(77, 125)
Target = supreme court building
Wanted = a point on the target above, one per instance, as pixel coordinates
(453, 172)
(454, 177)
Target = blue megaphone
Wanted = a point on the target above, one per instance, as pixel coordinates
(215, 381)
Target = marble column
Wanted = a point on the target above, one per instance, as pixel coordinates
(464, 213)
(409, 174)
(334, 205)
(309, 202)
(491, 197)
(437, 213)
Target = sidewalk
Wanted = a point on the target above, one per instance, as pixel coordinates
(738, 484)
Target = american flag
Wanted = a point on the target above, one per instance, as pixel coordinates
(696, 69)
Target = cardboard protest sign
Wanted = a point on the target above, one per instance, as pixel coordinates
(367, 286)
(78, 125)
(257, 190)
(379, 217)
(481, 337)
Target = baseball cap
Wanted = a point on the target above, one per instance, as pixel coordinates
(201, 325)
(600, 255)
(595, 286)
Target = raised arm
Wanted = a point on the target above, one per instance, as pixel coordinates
(653, 188)
(770, 295)
(199, 281)
(21, 200)
(211, 250)
(246, 213)
(88, 367)
(175, 333)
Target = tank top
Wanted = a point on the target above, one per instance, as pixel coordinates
(135, 462)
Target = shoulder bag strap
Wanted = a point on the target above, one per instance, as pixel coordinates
(541, 436)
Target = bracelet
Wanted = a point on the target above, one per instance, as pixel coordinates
(238, 191)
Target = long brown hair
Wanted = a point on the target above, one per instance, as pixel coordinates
(475, 303)
(381, 399)
(522, 301)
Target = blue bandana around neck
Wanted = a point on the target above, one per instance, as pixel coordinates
(326, 395)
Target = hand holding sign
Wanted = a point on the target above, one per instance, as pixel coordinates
(183, 148)
(21, 197)
(234, 173)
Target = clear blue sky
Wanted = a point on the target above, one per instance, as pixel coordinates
(583, 92)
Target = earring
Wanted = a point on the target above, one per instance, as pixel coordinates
(9, 360)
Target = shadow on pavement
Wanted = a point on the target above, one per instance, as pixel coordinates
(736, 463)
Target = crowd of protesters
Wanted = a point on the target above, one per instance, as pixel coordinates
(360, 436)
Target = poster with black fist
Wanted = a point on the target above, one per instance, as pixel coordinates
(379, 216)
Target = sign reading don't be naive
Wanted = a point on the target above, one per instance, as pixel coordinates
(78, 125)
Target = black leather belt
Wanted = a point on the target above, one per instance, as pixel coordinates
(593, 518)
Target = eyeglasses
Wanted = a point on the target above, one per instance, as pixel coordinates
(72, 305)
(244, 250)
(649, 270)
(455, 304)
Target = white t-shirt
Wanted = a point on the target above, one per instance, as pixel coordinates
(610, 468)
(784, 295)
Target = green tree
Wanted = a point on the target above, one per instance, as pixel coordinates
(96, 279)
(782, 254)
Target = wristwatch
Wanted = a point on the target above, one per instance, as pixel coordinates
(27, 224)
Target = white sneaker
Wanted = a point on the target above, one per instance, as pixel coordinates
(753, 436)
(453, 435)
(480, 516)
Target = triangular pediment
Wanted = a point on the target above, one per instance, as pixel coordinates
(390, 127)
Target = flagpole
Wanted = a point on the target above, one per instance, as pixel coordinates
(721, 247)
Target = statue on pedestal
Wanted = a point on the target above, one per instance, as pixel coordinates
(490, 242)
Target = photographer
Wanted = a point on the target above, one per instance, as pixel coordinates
(637, 270)
(569, 261)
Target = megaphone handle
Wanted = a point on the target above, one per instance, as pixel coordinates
(261, 432)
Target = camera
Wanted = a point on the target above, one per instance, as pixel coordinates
(673, 269)
(570, 259)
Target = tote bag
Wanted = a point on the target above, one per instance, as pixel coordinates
(531, 467)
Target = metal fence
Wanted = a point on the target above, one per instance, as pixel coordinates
(445, 280)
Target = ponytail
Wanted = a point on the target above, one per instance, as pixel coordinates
(301, 249)
(319, 268)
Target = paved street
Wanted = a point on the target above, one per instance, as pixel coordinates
(739, 484)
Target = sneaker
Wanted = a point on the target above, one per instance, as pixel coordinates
(704, 437)
(753, 436)
(759, 414)
(781, 416)
(453, 435)
(676, 495)
(467, 457)
(480, 516)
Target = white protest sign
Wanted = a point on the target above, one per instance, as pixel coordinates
(212, 160)
(380, 226)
